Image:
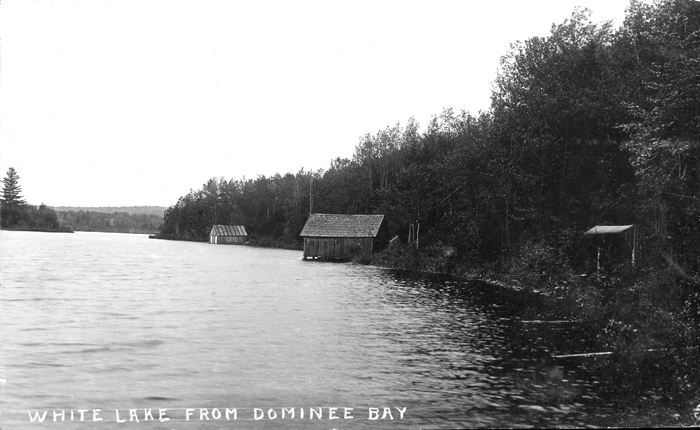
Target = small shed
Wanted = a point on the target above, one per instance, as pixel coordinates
(228, 234)
(336, 236)
(603, 230)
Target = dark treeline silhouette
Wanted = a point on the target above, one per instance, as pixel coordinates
(591, 125)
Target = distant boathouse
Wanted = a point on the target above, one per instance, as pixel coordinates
(228, 234)
(336, 236)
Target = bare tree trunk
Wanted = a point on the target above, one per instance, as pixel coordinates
(311, 195)
(507, 226)
(417, 233)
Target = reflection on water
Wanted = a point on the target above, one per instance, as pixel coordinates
(113, 321)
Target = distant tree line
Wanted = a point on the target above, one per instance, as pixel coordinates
(590, 125)
(15, 213)
(117, 222)
(148, 210)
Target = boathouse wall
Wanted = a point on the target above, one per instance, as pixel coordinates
(337, 247)
(228, 240)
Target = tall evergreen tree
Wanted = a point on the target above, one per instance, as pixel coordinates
(11, 190)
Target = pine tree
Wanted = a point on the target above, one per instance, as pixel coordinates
(11, 190)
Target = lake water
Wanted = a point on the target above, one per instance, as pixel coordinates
(104, 322)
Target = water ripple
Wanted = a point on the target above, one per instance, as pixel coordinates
(95, 321)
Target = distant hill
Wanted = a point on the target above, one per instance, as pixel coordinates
(131, 210)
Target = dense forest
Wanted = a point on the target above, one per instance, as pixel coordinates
(592, 125)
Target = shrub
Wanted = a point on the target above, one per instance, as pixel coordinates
(538, 266)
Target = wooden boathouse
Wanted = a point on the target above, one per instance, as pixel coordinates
(337, 236)
(228, 234)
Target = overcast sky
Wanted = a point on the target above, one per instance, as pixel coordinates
(120, 103)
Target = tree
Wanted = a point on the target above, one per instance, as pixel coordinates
(12, 205)
(557, 109)
(11, 189)
(659, 53)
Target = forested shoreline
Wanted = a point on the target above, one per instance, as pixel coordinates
(131, 210)
(16, 214)
(592, 125)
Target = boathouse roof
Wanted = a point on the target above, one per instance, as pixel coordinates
(338, 225)
(608, 229)
(228, 230)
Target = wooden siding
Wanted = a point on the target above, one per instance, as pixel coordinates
(228, 235)
(336, 247)
(224, 240)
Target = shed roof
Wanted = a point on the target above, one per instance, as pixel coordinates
(608, 229)
(336, 225)
(228, 230)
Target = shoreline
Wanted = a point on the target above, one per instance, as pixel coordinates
(37, 229)
(464, 275)
(256, 242)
